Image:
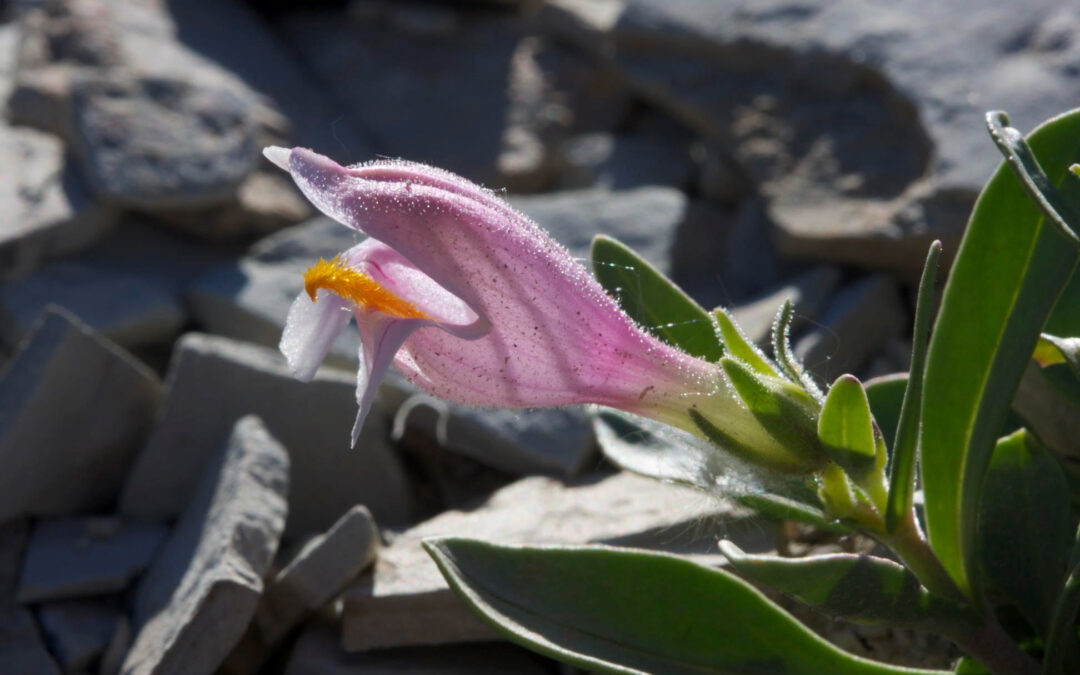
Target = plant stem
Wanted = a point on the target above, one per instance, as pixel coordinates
(911, 546)
(989, 643)
(995, 649)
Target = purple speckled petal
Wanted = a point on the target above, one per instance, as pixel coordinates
(556, 337)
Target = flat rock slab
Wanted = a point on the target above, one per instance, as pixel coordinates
(197, 599)
(317, 573)
(79, 632)
(80, 557)
(213, 382)
(319, 652)
(59, 374)
(122, 307)
(405, 601)
(859, 319)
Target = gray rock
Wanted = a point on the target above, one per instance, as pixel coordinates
(214, 381)
(317, 573)
(87, 455)
(21, 647)
(160, 143)
(122, 307)
(13, 537)
(405, 601)
(119, 644)
(556, 442)
(200, 594)
(410, 94)
(859, 321)
(808, 294)
(80, 557)
(622, 162)
(319, 652)
(232, 36)
(48, 209)
(860, 124)
(645, 219)
(78, 632)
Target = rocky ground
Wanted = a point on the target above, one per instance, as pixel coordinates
(173, 501)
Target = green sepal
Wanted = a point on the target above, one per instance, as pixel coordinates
(859, 588)
(847, 433)
(625, 611)
(653, 300)
(783, 409)
(782, 508)
(738, 346)
(785, 356)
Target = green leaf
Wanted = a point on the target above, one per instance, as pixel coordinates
(738, 346)
(1054, 349)
(858, 588)
(1062, 646)
(625, 611)
(1024, 526)
(905, 445)
(654, 301)
(1011, 266)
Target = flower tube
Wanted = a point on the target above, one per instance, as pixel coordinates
(483, 307)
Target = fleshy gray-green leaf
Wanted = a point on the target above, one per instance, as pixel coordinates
(653, 300)
(624, 611)
(859, 588)
(1024, 526)
(886, 396)
(1012, 264)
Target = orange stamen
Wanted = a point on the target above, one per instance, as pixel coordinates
(350, 284)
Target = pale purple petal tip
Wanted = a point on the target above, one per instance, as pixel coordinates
(380, 339)
(278, 155)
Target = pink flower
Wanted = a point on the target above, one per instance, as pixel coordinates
(476, 304)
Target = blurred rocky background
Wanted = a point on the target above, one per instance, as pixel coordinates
(172, 501)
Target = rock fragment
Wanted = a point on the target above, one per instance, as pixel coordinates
(79, 632)
(317, 573)
(213, 382)
(858, 321)
(82, 557)
(53, 414)
(197, 599)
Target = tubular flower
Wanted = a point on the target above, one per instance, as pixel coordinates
(475, 303)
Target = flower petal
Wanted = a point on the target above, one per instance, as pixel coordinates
(380, 338)
(310, 329)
